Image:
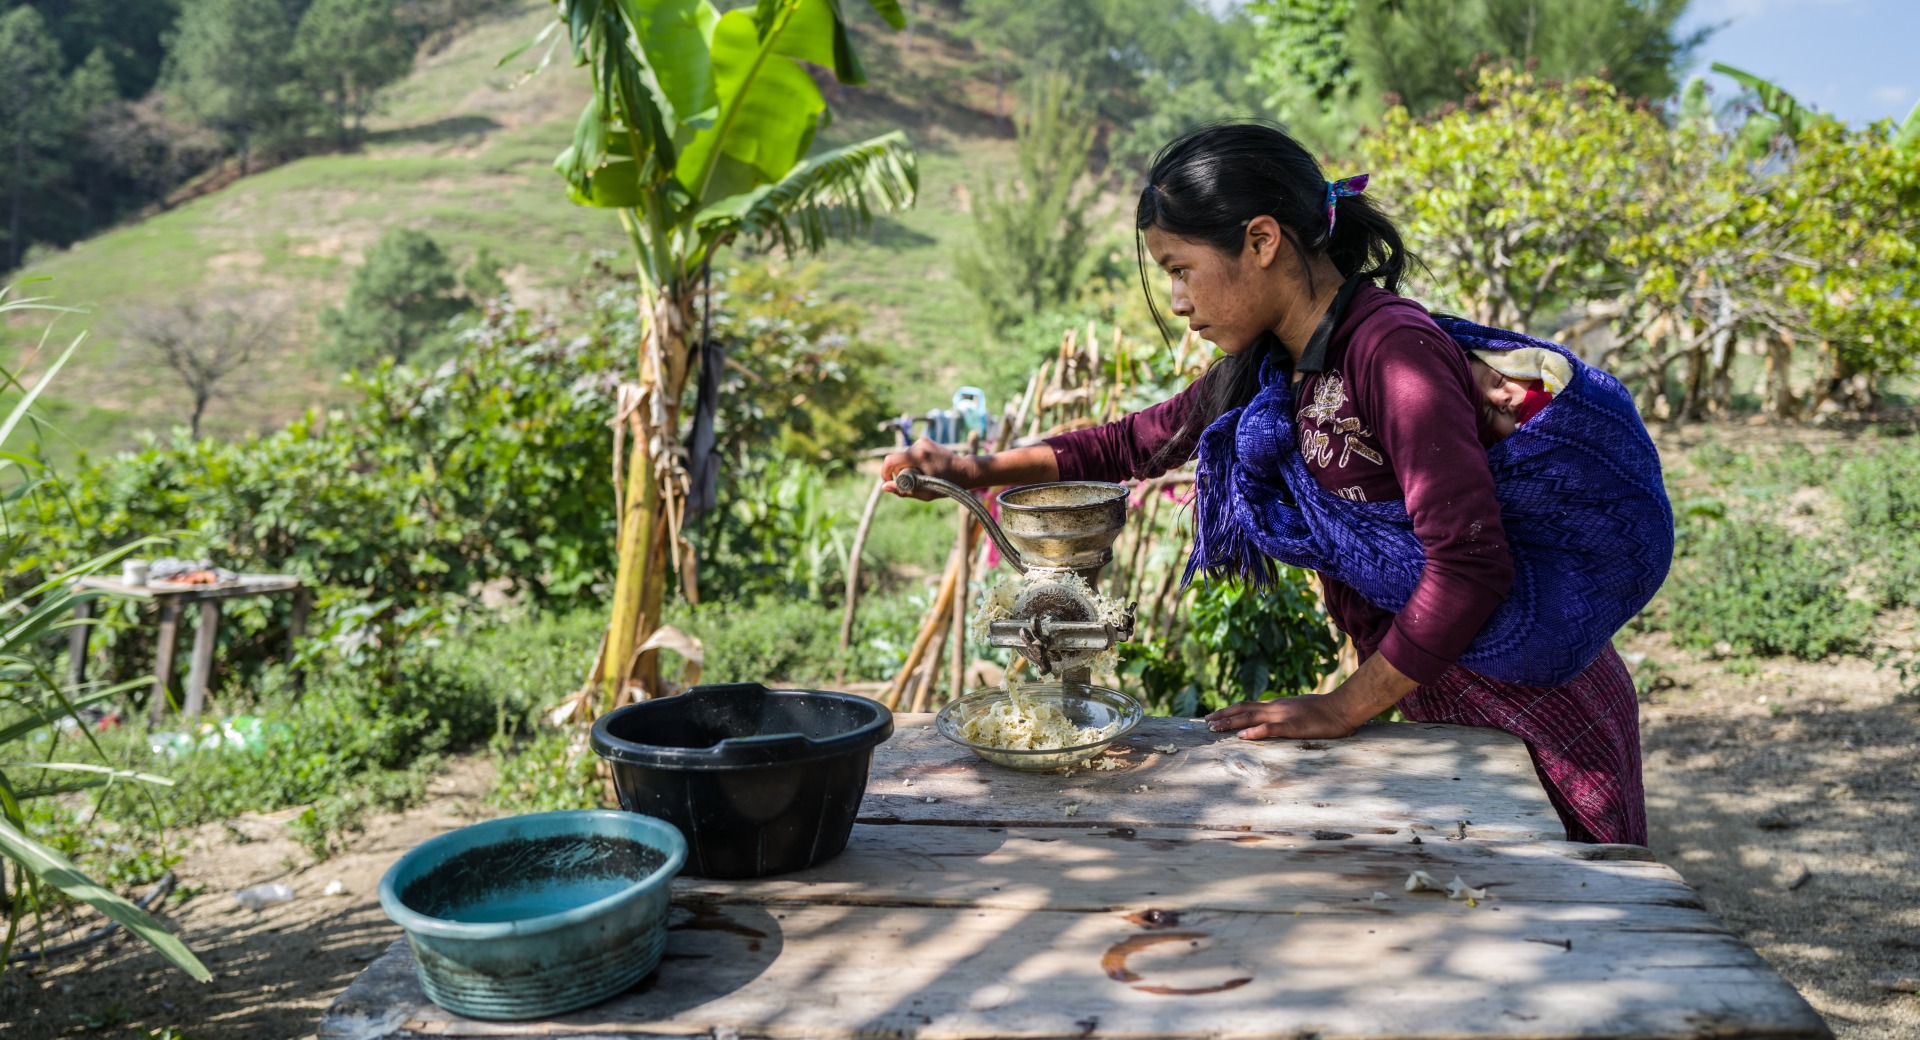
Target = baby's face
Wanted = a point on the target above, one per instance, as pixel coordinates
(1500, 398)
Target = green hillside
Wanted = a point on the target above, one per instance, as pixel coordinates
(462, 152)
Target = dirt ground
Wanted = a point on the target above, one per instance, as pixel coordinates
(1790, 798)
(274, 971)
(1752, 779)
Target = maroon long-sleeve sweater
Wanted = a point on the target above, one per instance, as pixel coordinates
(1393, 416)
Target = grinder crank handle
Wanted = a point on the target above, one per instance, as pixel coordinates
(912, 480)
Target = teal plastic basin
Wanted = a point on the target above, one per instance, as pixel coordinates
(536, 915)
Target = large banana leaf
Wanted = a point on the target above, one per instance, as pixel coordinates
(50, 867)
(769, 107)
(1794, 117)
(1907, 137)
(829, 195)
(673, 36)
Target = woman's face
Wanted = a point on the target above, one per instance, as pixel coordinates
(1226, 298)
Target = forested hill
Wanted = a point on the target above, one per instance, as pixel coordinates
(193, 160)
(461, 150)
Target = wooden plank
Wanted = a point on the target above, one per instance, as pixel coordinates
(922, 973)
(166, 646)
(1179, 871)
(206, 639)
(1399, 778)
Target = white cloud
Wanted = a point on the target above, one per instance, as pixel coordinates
(1893, 95)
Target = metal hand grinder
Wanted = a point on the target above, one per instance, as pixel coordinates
(1046, 532)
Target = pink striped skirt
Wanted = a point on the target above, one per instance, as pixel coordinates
(1584, 736)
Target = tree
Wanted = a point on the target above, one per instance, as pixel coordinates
(93, 101)
(1033, 232)
(1332, 66)
(398, 301)
(1149, 67)
(207, 341)
(1569, 210)
(33, 121)
(227, 62)
(698, 132)
(1515, 201)
(345, 51)
(130, 33)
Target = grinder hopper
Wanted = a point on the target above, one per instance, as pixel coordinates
(1045, 532)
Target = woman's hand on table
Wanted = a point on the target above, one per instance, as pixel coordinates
(1309, 716)
(1376, 686)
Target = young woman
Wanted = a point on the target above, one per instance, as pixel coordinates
(1278, 267)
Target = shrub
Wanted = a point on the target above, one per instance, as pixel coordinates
(398, 302)
(766, 641)
(1241, 643)
(1755, 588)
(1881, 509)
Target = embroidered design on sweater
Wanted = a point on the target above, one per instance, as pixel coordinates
(1316, 445)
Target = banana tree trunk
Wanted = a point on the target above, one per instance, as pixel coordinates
(653, 503)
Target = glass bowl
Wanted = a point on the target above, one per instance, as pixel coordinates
(1085, 706)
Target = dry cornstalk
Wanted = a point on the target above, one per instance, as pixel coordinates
(898, 687)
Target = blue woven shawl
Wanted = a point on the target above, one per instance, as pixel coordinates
(1581, 498)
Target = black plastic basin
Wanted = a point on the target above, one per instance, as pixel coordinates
(759, 781)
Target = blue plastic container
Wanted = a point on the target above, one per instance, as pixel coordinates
(536, 915)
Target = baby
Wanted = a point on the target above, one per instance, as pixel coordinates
(1514, 385)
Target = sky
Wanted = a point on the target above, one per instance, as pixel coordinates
(1853, 58)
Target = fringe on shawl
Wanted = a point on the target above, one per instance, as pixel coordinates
(1221, 545)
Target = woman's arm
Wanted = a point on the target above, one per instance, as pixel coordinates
(1129, 447)
(1033, 464)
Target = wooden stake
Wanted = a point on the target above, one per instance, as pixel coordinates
(963, 556)
(903, 678)
(853, 567)
(923, 690)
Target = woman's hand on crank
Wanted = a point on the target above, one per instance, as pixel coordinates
(1308, 716)
(931, 459)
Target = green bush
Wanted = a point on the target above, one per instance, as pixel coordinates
(1880, 506)
(548, 770)
(764, 641)
(1240, 643)
(1755, 588)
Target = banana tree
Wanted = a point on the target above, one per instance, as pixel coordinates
(698, 132)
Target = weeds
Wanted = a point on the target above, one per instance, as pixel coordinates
(1750, 587)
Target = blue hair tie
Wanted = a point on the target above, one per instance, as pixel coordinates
(1340, 189)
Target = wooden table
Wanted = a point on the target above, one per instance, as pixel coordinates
(1213, 888)
(172, 598)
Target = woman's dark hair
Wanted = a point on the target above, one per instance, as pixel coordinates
(1215, 178)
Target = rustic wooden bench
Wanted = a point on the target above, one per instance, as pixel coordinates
(1211, 888)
